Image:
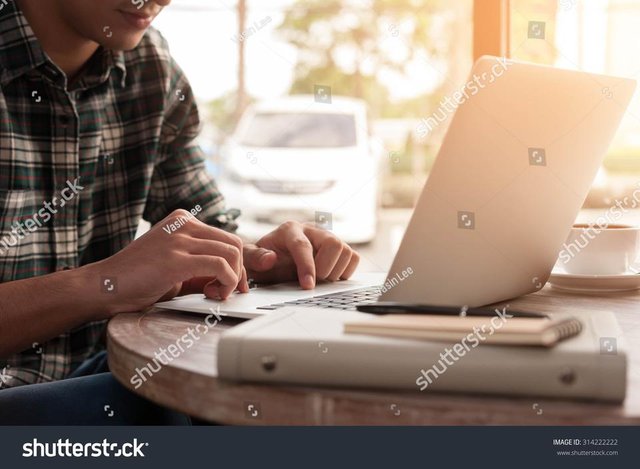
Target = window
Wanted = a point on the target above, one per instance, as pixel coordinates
(598, 36)
(401, 57)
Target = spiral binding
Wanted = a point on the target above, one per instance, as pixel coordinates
(568, 329)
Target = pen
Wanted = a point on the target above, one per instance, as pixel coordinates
(390, 307)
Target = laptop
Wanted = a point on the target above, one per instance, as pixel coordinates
(517, 161)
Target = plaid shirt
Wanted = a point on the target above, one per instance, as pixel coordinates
(115, 147)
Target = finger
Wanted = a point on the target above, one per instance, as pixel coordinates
(351, 268)
(243, 286)
(217, 291)
(211, 266)
(327, 256)
(328, 247)
(301, 251)
(258, 259)
(343, 262)
(212, 290)
(194, 285)
(204, 231)
(198, 229)
(209, 247)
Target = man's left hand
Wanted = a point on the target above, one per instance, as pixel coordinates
(299, 251)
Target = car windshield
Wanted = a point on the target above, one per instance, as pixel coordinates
(300, 130)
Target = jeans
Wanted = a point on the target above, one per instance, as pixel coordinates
(89, 396)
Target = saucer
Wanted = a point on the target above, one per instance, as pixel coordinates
(594, 283)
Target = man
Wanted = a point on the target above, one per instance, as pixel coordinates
(97, 128)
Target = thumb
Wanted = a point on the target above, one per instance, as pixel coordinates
(258, 259)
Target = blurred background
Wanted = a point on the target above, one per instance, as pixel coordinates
(313, 109)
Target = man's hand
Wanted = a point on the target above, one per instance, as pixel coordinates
(303, 252)
(195, 258)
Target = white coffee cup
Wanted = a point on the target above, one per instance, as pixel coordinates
(600, 249)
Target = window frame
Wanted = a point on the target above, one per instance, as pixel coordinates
(491, 28)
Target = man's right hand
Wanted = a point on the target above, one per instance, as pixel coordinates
(163, 263)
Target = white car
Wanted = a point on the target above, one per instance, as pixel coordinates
(294, 158)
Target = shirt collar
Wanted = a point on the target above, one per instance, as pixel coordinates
(20, 52)
(116, 59)
(100, 66)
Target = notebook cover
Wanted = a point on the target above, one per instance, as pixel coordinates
(494, 330)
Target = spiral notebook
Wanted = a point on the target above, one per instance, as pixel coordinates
(543, 332)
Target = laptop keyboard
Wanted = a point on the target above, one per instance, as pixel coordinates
(346, 300)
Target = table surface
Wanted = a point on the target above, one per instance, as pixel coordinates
(190, 384)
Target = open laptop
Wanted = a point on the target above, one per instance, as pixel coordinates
(515, 166)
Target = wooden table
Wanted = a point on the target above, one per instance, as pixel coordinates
(189, 383)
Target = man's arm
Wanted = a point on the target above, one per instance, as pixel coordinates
(39, 308)
(159, 265)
